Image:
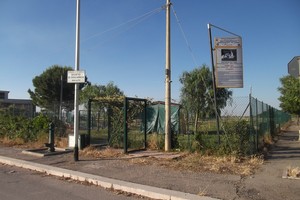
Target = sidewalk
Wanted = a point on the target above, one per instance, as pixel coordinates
(267, 183)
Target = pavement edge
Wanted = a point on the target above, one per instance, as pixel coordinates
(143, 190)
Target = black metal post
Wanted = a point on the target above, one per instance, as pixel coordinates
(251, 122)
(88, 138)
(145, 124)
(125, 125)
(257, 128)
(214, 84)
(51, 137)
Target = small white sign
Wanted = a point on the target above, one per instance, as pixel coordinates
(76, 76)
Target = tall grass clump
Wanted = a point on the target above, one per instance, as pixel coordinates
(236, 138)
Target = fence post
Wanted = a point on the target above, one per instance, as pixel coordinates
(257, 126)
(251, 122)
(125, 125)
(88, 138)
(145, 124)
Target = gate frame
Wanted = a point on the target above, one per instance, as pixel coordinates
(125, 108)
(126, 99)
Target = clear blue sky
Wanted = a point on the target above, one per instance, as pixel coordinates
(117, 45)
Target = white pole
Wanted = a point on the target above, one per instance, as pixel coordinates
(168, 81)
(76, 94)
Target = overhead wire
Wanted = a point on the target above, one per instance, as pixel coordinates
(193, 56)
(133, 23)
(189, 47)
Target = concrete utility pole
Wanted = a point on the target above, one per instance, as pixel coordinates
(76, 96)
(168, 81)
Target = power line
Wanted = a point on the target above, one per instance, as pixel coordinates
(135, 20)
(193, 55)
(190, 49)
(184, 36)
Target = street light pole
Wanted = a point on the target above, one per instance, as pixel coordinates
(168, 81)
(76, 94)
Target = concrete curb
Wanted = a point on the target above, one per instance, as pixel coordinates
(143, 190)
(44, 152)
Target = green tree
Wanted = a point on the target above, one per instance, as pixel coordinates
(99, 91)
(290, 95)
(94, 91)
(197, 94)
(47, 89)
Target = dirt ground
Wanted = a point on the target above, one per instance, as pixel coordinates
(267, 182)
(221, 180)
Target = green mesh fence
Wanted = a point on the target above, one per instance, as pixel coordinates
(246, 125)
(265, 122)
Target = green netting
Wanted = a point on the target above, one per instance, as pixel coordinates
(265, 121)
(156, 118)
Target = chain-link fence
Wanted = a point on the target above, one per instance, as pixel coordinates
(265, 122)
(246, 125)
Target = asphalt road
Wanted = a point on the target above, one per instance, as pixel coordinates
(17, 183)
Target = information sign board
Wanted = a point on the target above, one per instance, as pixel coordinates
(228, 62)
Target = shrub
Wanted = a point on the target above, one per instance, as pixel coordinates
(20, 127)
(236, 138)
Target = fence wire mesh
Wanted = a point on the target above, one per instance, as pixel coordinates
(246, 125)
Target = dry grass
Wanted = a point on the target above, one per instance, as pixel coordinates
(293, 172)
(101, 153)
(10, 143)
(194, 162)
(197, 163)
(59, 142)
(267, 139)
(187, 161)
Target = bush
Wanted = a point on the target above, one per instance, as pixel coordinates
(236, 138)
(41, 123)
(20, 127)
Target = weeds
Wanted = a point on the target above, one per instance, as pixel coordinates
(293, 172)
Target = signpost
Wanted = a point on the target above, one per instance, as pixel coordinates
(76, 89)
(229, 62)
(229, 72)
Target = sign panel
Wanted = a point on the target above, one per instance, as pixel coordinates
(228, 62)
(294, 67)
(76, 76)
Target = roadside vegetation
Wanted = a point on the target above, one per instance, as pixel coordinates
(199, 147)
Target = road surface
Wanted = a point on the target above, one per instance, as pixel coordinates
(17, 183)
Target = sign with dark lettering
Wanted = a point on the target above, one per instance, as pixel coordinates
(229, 62)
(76, 76)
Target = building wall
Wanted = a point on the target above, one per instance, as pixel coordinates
(17, 106)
